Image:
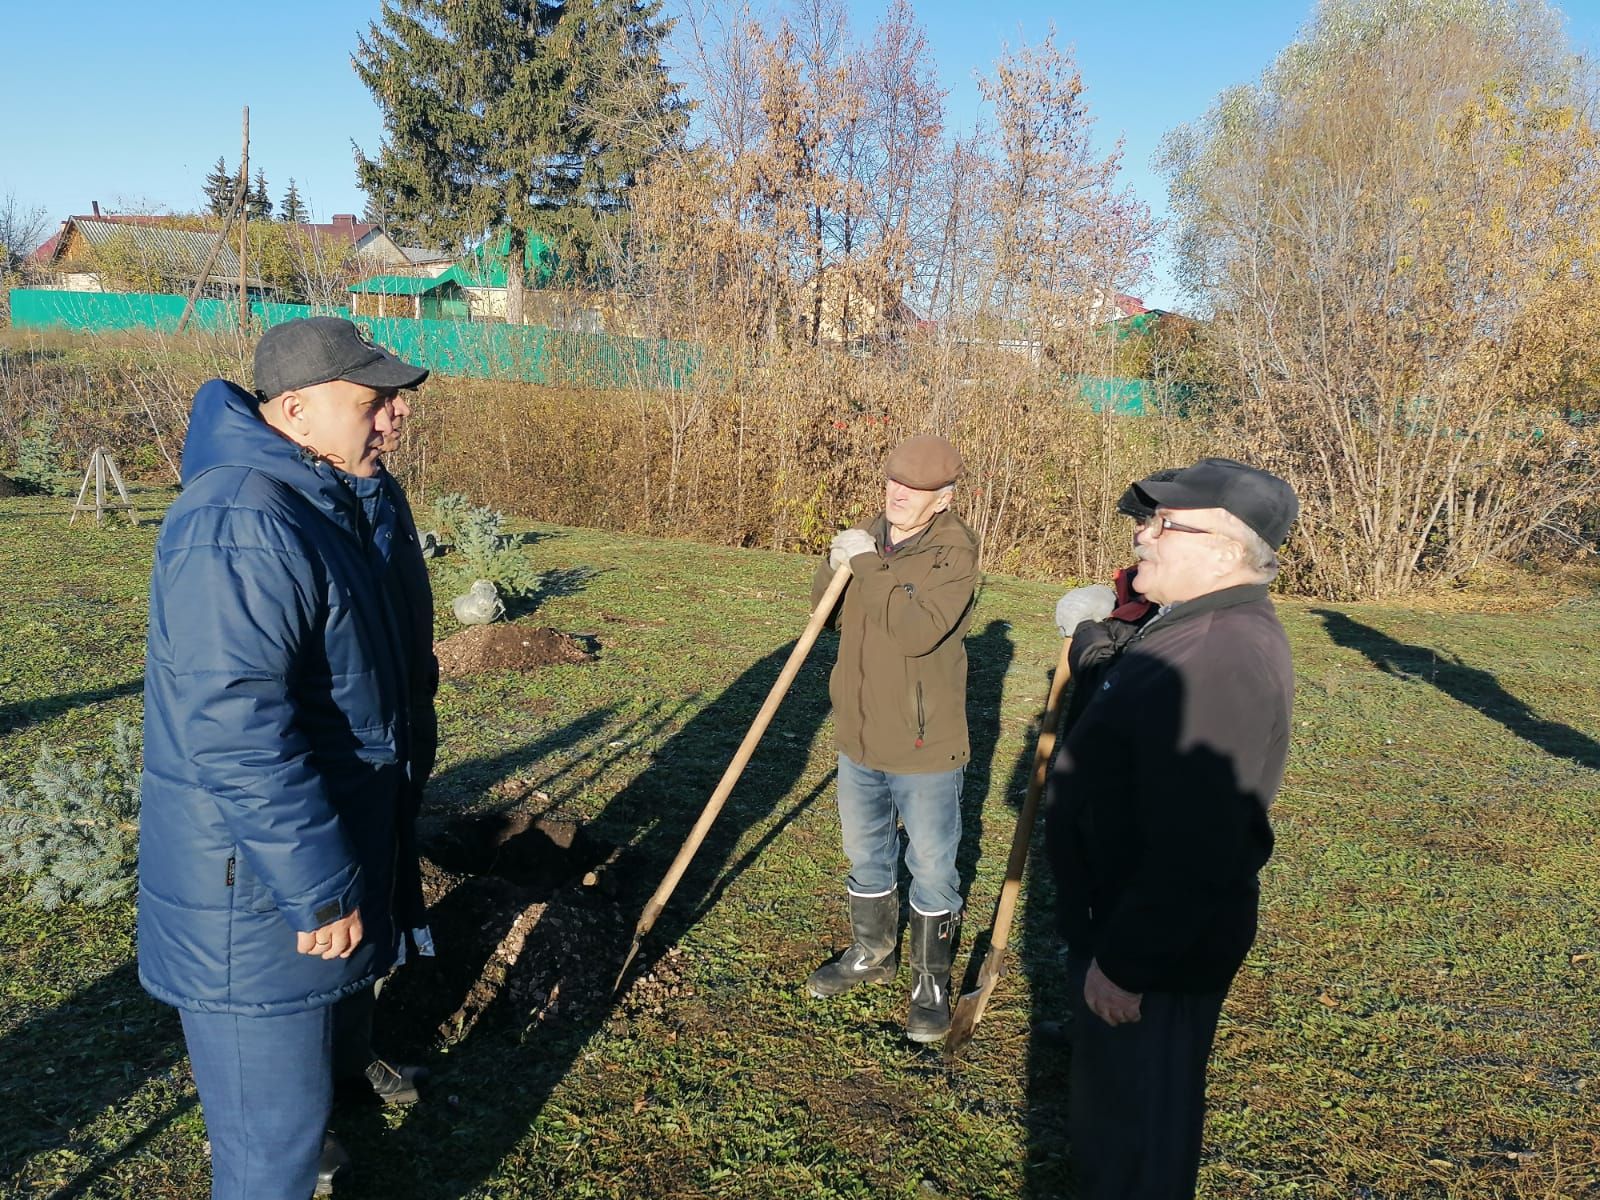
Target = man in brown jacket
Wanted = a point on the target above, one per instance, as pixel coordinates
(899, 694)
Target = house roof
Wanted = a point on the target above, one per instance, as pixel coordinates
(404, 285)
(178, 251)
(418, 255)
(45, 252)
(343, 227)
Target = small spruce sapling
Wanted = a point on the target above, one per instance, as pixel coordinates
(75, 834)
(490, 558)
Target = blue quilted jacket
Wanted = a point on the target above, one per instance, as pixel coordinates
(275, 785)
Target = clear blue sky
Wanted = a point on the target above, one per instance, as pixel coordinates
(131, 104)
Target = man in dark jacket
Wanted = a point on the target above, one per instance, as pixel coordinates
(1157, 825)
(357, 1065)
(899, 692)
(277, 744)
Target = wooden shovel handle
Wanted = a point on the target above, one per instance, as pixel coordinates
(780, 687)
(1044, 750)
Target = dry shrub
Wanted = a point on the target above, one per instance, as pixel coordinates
(129, 392)
(784, 454)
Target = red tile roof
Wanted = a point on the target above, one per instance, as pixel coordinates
(344, 226)
(44, 253)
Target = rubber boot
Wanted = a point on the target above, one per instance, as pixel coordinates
(874, 957)
(396, 1085)
(333, 1168)
(933, 949)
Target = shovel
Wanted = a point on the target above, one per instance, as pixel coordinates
(791, 668)
(969, 1009)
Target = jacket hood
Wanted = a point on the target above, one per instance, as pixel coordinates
(226, 430)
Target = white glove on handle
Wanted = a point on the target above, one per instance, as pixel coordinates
(1092, 603)
(848, 544)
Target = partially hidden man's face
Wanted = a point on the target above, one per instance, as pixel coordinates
(349, 424)
(911, 508)
(402, 411)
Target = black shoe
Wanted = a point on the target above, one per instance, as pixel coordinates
(1053, 1033)
(874, 957)
(396, 1084)
(933, 949)
(332, 1167)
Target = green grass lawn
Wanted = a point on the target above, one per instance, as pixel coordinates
(1420, 1016)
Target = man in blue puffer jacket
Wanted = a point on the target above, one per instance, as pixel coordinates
(277, 744)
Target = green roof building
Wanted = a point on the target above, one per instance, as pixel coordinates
(440, 298)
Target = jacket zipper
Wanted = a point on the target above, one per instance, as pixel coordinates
(922, 721)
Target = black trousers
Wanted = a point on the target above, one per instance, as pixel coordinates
(1138, 1094)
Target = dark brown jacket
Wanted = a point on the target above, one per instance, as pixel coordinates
(899, 688)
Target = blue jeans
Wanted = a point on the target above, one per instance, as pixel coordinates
(929, 806)
(266, 1086)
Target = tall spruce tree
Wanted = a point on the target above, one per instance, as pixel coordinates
(256, 201)
(292, 209)
(219, 189)
(517, 114)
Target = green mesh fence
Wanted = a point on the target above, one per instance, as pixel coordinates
(474, 349)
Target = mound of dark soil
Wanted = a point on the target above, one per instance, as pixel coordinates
(507, 647)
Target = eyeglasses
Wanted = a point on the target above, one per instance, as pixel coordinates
(1157, 525)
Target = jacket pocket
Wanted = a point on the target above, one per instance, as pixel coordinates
(249, 892)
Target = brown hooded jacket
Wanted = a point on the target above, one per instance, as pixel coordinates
(899, 688)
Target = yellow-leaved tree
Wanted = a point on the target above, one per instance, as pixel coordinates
(1397, 232)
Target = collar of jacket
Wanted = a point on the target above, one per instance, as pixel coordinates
(946, 529)
(226, 430)
(1244, 593)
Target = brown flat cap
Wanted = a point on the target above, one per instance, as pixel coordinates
(924, 462)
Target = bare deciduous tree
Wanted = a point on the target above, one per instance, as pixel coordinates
(1401, 285)
(22, 230)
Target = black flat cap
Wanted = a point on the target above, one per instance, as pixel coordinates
(1259, 498)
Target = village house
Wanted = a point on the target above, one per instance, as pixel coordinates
(99, 252)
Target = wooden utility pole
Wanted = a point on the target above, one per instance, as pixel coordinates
(244, 224)
(234, 210)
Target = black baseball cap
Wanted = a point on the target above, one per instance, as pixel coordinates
(1259, 498)
(315, 350)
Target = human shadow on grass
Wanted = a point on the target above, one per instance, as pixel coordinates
(989, 656)
(1034, 951)
(73, 1060)
(1009, 801)
(31, 712)
(521, 1042)
(1472, 686)
(551, 585)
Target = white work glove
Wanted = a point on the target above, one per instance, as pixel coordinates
(1092, 603)
(848, 544)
